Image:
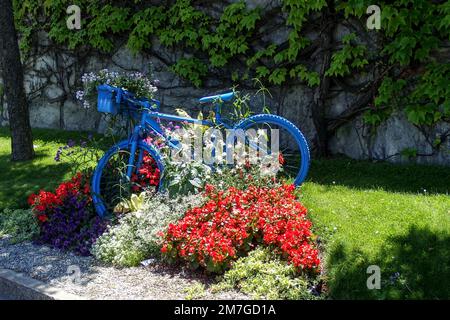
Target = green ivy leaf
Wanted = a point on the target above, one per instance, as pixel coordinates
(278, 76)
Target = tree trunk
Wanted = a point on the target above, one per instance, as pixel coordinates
(12, 74)
(320, 96)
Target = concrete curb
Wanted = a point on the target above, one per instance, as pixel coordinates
(20, 287)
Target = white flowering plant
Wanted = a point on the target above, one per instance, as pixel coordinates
(137, 236)
(187, 171)
(138, 83)
(184, 178)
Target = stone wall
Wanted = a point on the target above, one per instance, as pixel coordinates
(52, 78)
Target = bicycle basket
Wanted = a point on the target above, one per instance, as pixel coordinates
(106, 101)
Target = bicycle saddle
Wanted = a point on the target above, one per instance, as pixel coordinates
(224, 97)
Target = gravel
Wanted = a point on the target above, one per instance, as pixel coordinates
(100, 281)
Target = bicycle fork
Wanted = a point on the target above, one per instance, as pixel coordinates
(133, 147)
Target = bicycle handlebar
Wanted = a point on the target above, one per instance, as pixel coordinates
(123, 95)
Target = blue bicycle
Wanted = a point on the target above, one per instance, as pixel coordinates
(120, 166)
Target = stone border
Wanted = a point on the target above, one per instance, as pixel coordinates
(20, 287)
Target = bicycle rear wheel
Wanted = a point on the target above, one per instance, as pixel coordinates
(293, 148)
(110, 182)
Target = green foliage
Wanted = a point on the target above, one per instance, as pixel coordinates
(108, 20)
(134, 204)
(278, 76)
(422, 114)
(192, 69)
(101, 21)
(413, 30)
(429, 101)
(185, 177)
(301, 72)
(195, 291)
(424, 98)
(376, 117)
(298, 11)
(388, 91)
(409, 153)
(444, 23)
(145, 23)
(385, 101)
(231, 41)
(239, 178)
(180, 24)
(262, 274)
(18, 224)
(350, 56)
(355, 8)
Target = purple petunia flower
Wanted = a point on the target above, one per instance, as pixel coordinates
(71, 143)
(73, 225)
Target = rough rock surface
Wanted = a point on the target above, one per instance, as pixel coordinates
(52, 79)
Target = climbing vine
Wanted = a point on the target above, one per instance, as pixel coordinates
(280, 42)
(414, 31)
(177, 24)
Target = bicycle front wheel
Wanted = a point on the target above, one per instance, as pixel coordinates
(293, 148)
(110, 182)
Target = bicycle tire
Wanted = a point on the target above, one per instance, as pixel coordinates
(295, 133)
(96, 178)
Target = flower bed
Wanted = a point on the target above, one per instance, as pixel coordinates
(212, 232)
(233, 222)
(66, 218)
(240, 211)
(243, 211)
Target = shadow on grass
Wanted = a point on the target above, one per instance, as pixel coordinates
(421, 258)
(51, 135)
(389, 177)
(19, 180)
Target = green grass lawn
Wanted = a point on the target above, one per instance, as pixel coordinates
(393, 216)
(396, 217)
(19, 179)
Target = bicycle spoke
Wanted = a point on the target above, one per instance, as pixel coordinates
(115, 186)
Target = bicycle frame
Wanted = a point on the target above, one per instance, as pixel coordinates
(148, 122)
